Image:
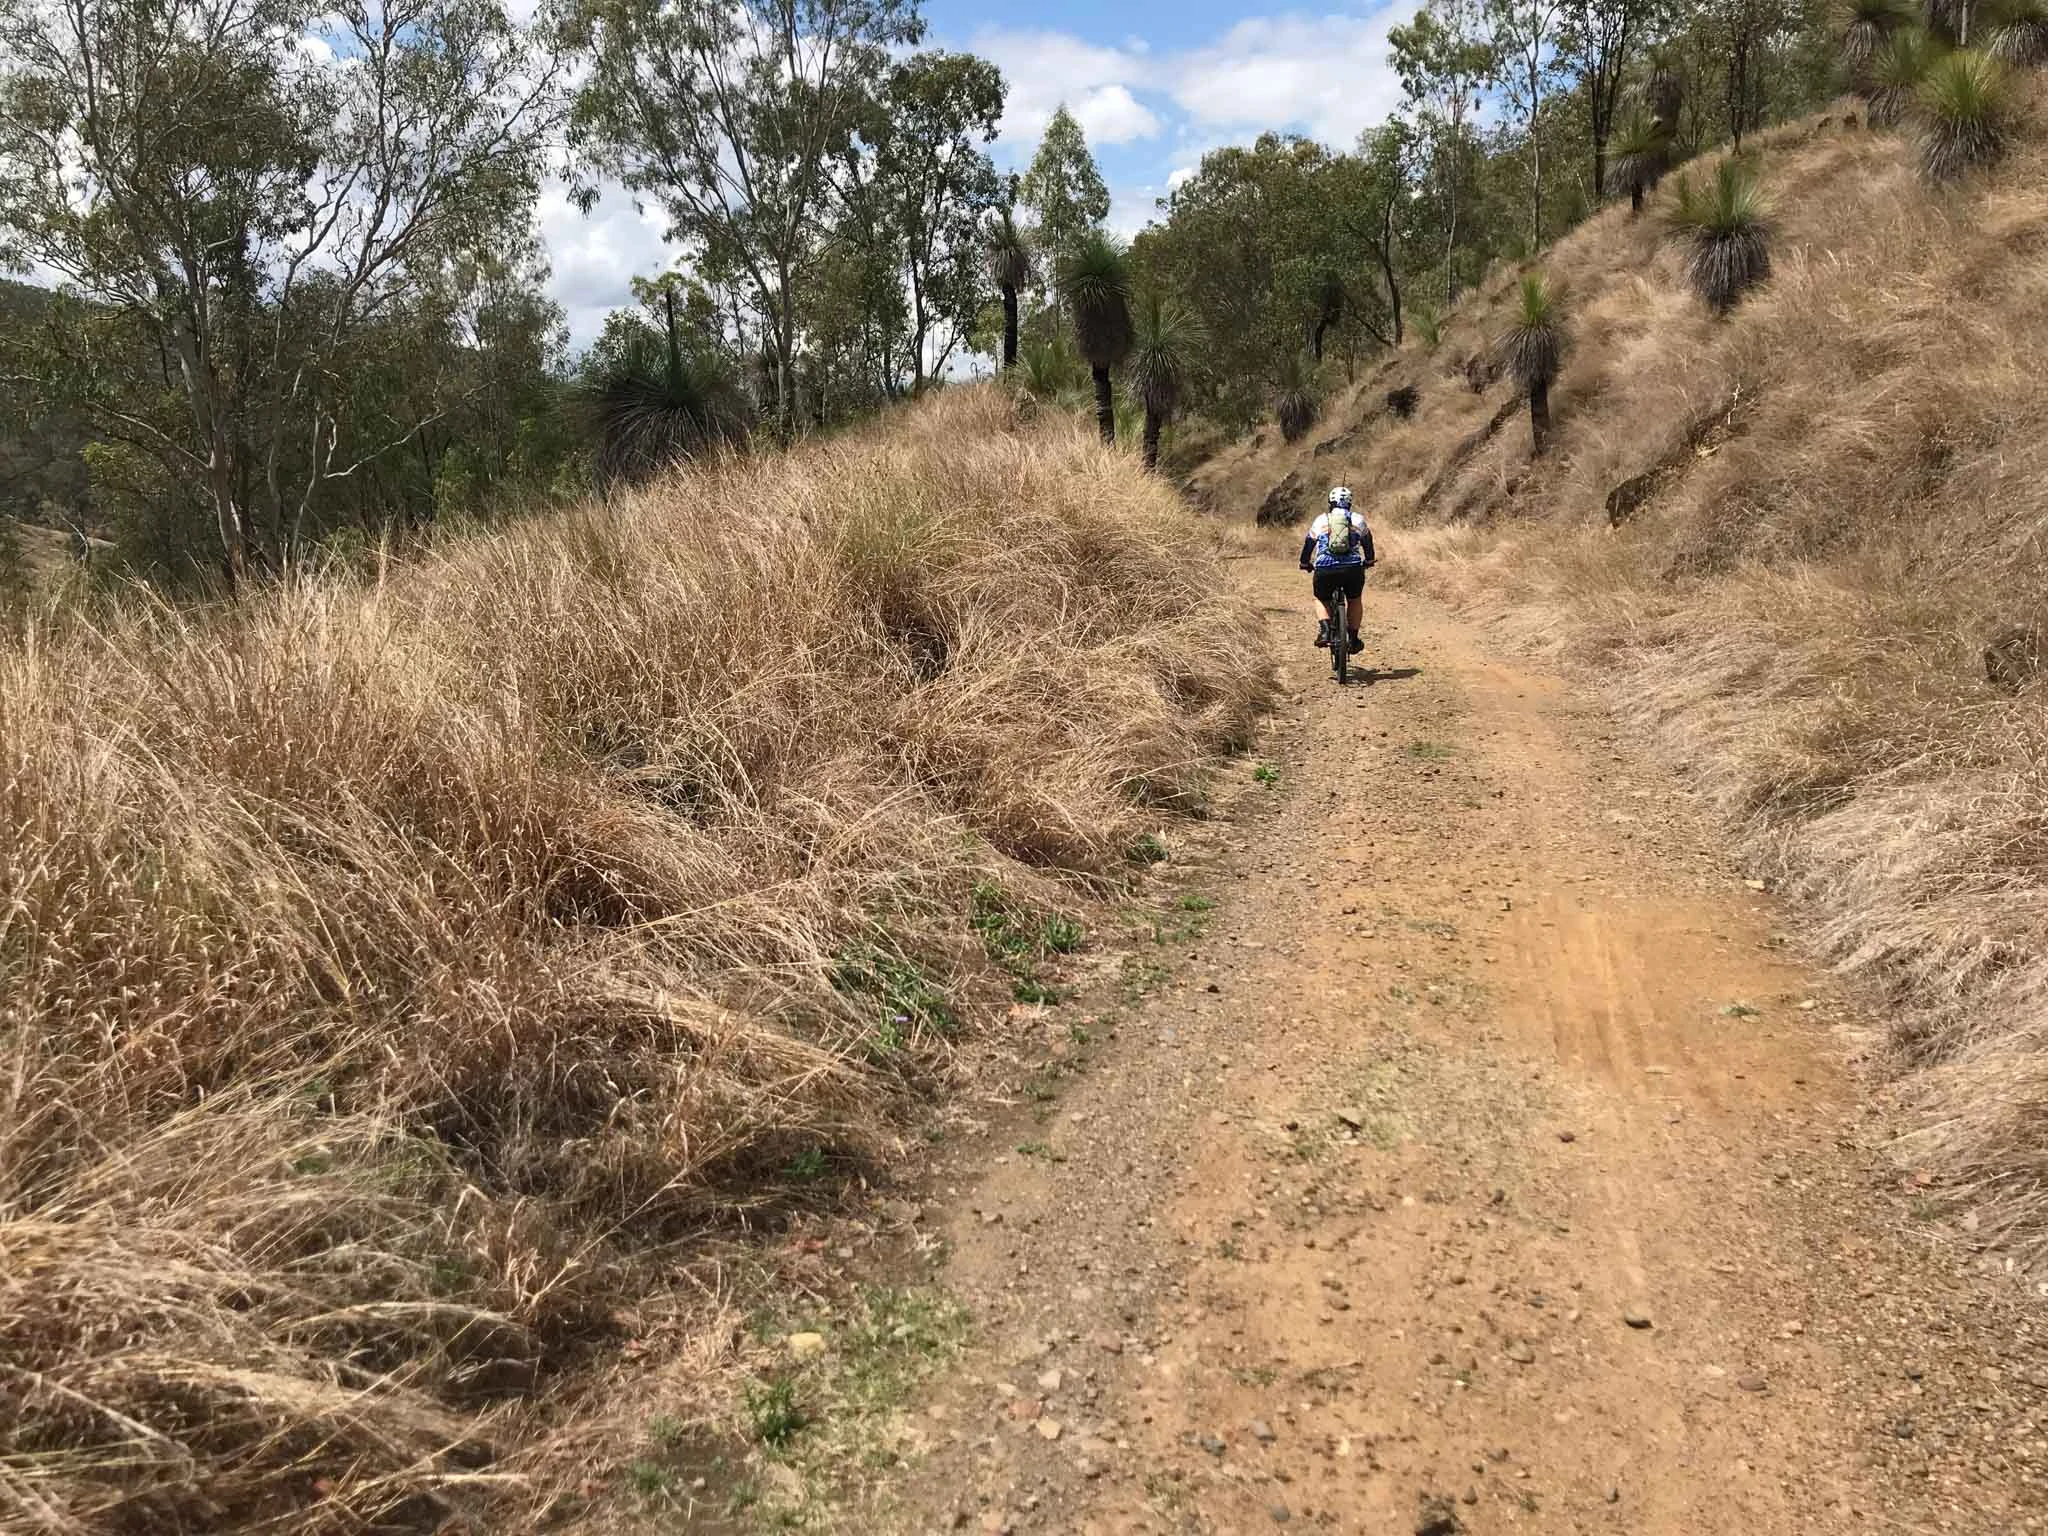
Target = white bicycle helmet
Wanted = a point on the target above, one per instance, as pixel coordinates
(1340, 496)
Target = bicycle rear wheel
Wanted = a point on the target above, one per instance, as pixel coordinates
(1340, 640)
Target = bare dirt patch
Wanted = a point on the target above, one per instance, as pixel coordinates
(1488, 1163)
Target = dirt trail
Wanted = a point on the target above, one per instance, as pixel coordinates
(1488, 1164)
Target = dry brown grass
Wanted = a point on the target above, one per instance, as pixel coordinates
(1848, 504)
(401, 977)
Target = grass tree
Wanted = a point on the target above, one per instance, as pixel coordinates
(1096, 280)
(2016, 31)
(1163, 356)
(1724, 233)
(1329, 312)
(1867, 25)
(657, 405)
(1963, 113)
(1896, 72)
(1051, 371)
(1532, 351)
(1640, 151)
(1299, 401)
(1009, 263)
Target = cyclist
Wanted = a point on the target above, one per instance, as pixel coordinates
(1338, 550)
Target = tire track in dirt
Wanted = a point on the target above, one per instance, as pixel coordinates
(1488, 1059)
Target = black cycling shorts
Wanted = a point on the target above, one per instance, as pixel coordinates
(1331, 579)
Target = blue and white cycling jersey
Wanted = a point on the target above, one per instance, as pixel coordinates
(1319, 532)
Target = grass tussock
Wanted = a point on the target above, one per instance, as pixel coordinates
(399, 976)
(1834, 506)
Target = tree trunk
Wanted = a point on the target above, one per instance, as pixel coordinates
(1386, 254)
(1315, 340)
(1599, 168)
(1451, 250)
(1153, 422)
(1635, 199)
(1009, 327)
(1539, 419)
(1105, 406)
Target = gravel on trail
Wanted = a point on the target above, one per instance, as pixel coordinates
(1312, 1249)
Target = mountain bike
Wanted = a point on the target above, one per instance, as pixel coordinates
(1339, 605)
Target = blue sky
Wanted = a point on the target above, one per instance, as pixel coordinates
(1154, 84)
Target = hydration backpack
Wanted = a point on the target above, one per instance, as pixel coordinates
(1342, 538)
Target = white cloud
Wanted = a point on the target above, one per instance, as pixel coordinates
(1327, 74)
(1112, 115)
(1131, 209)
(597, 256)
(1044, 69)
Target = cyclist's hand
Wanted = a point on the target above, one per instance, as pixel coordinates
(1306, 566)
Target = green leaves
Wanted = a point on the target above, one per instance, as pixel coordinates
(1008, 252)
(1095, 281)
(1299, 400)
(1064, 189)
(1724, 233)
(287, 237)
(1532, 349)
(656, 405)
(1261, 242)
(1964, 114)
(1866, 27)
(1641, 150)
(1895, 72)
(1168, 339)
(2018, 32)
(731, 118)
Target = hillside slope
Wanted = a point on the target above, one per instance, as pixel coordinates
(413, 980)
(1807, 545)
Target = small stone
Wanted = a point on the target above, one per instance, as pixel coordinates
(806, 1346)
(1567, 1135)
(1755, 885)
(1521, 1352)
(1792, 1330)
(1636, 1319)
(1437, 1517)
(1050, 1380)
(1025, 1409)
(1752, 1383)
(995, 1522)
(1469, 1496)
(1212, 1445)
(1262, 1432)
(1109, 1343)
(1614, 1495)
(1048, 1429)
(1280, 1512)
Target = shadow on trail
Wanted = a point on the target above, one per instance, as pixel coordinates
(1373, 675)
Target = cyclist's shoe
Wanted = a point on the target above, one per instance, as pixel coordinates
(1322, 633)
(1357, 645)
